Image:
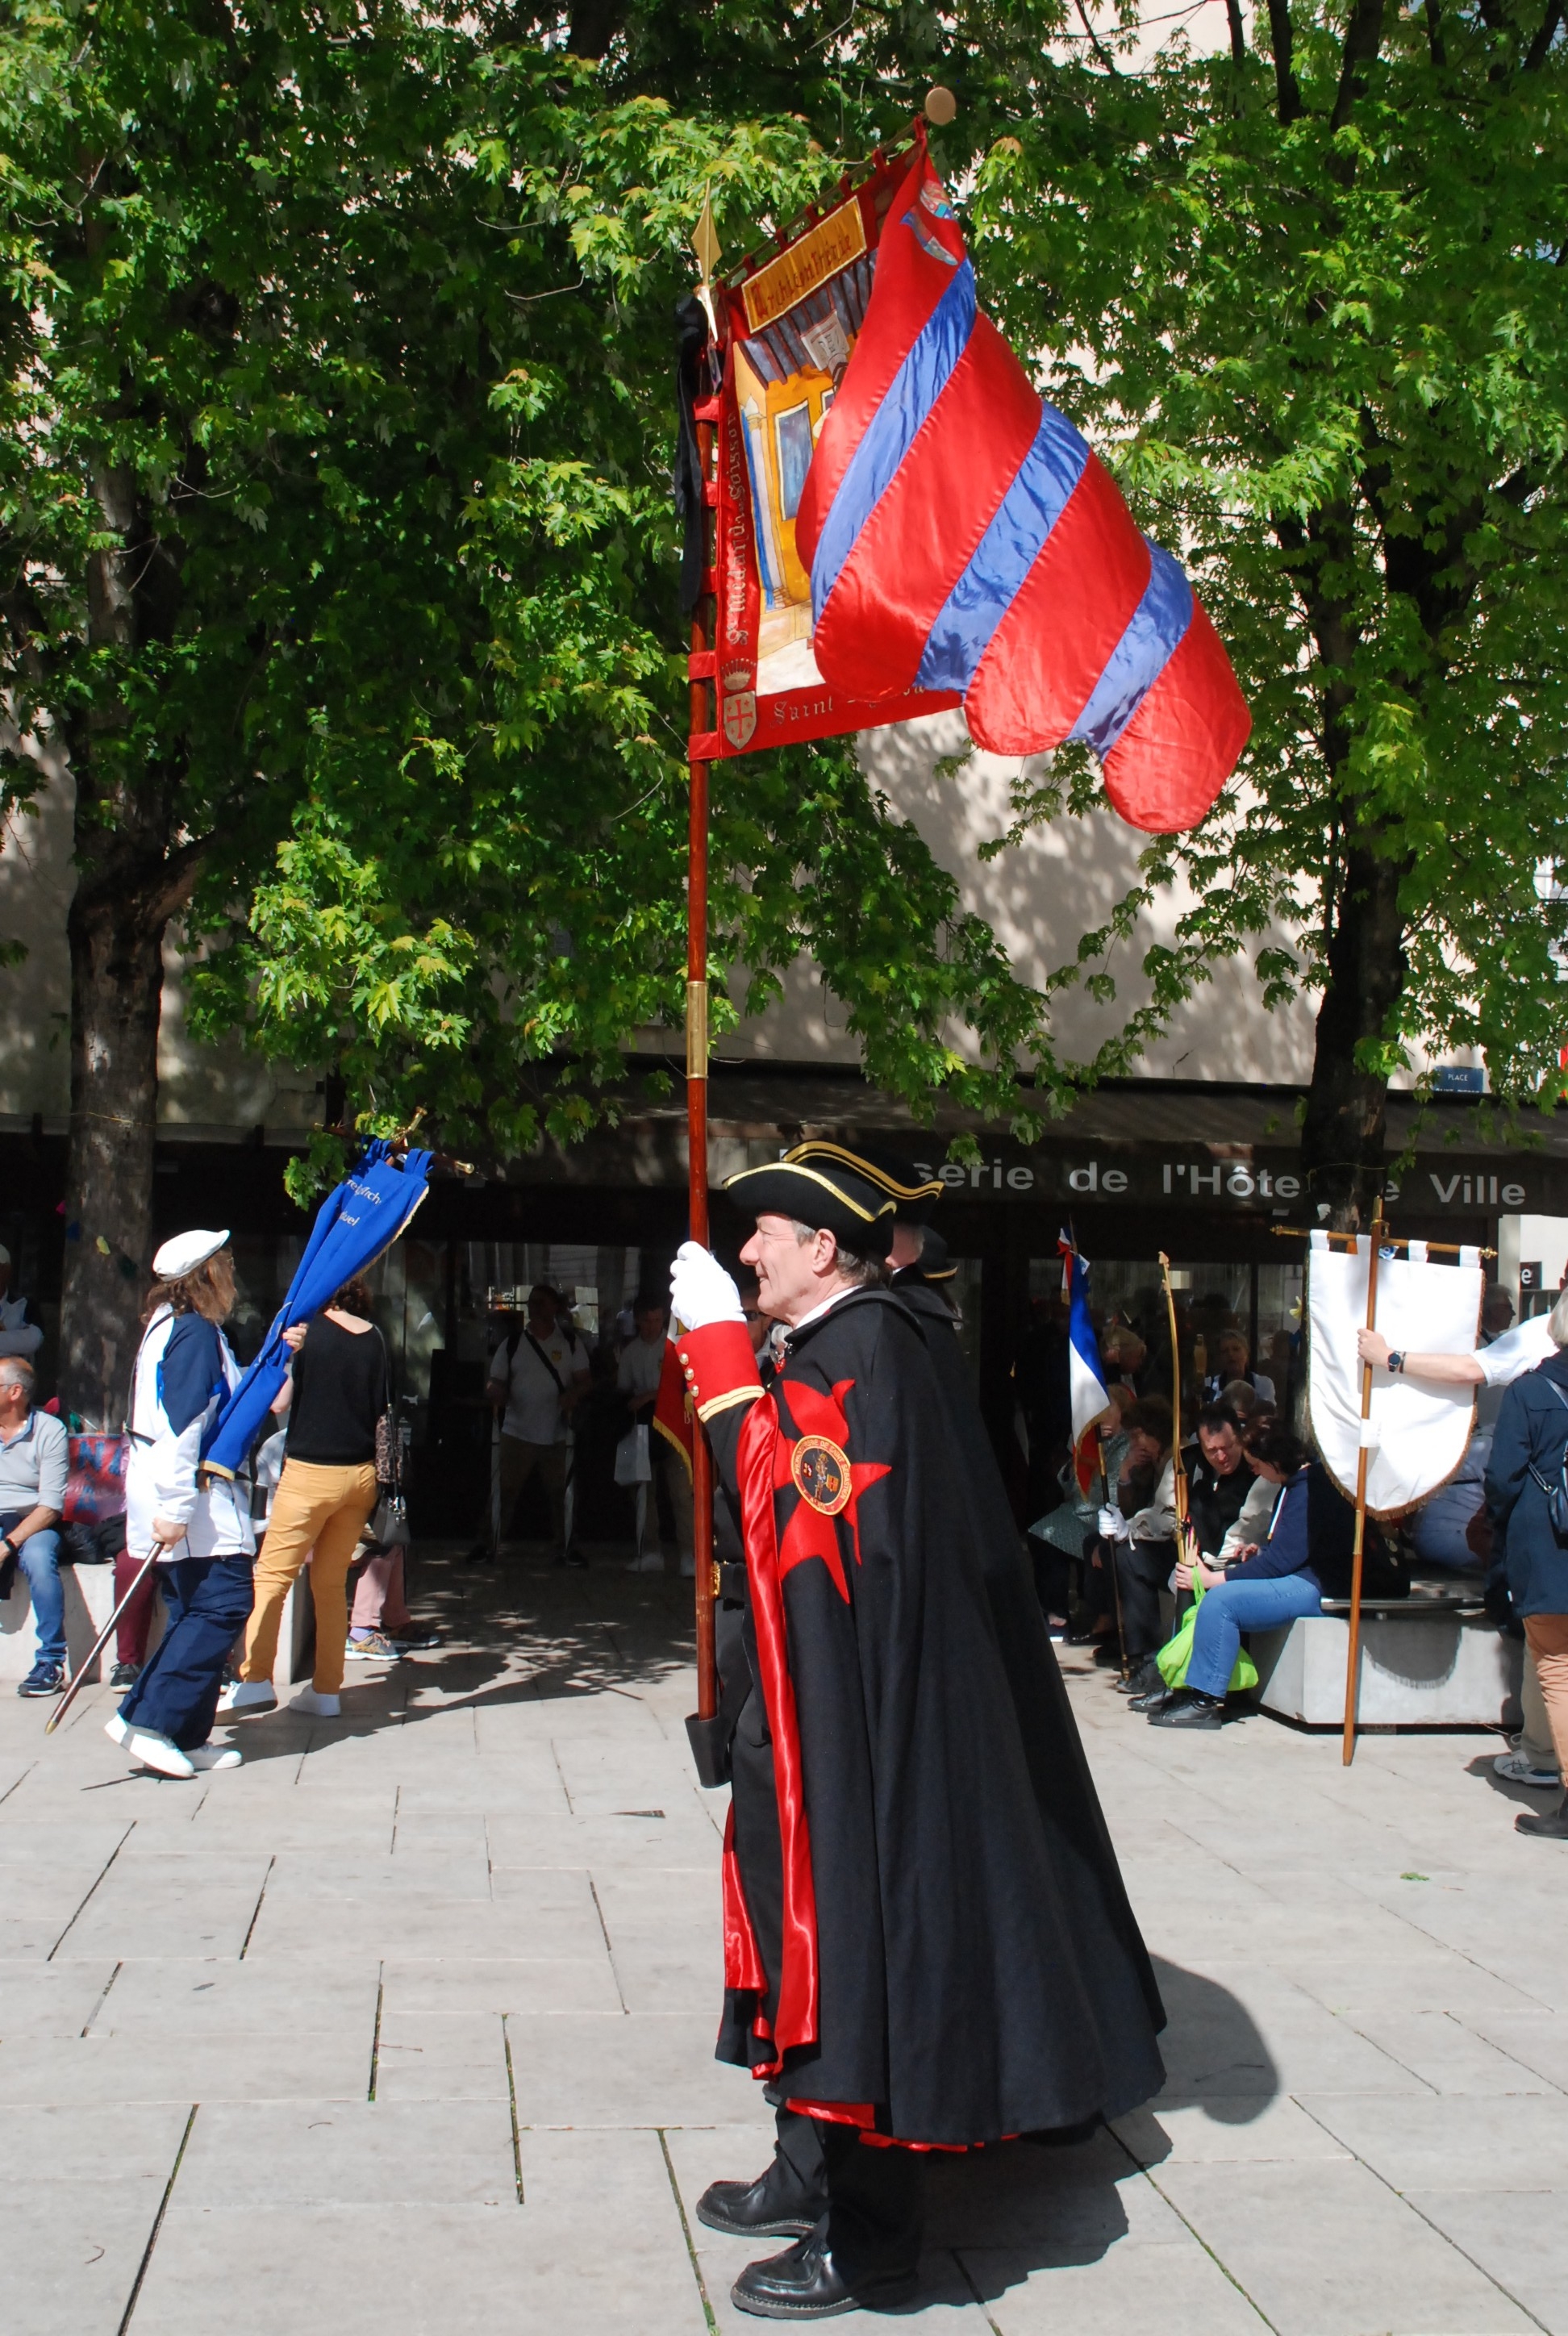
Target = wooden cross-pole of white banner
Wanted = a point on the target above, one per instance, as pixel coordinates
(1353, 1649)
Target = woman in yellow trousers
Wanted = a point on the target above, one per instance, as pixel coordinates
(335, 1394)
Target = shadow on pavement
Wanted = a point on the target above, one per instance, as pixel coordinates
(1023, 2207)
(527, 1632)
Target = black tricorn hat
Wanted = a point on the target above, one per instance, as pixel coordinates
(836, 1195)
(914, 1196)
(935, 1264)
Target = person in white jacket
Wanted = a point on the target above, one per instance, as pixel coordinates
(199, 1528)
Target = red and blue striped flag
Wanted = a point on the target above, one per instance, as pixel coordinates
(961, 535)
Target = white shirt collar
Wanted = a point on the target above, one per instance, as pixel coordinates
(818, 1311)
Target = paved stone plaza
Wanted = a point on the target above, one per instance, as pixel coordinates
(406, 2026)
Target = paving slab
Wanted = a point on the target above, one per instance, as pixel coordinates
(490, 1895)
(1329, 2250)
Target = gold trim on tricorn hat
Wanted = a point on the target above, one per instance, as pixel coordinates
(914, 1196)
(838, 1197)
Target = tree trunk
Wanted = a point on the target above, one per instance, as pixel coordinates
(134, 871)
(1342, 1146)
(116, 995)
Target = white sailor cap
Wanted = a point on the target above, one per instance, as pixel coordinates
(183, 1252)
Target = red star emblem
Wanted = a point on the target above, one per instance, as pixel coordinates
(815, 1463)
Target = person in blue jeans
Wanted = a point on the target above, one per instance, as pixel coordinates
(34, 1457)
(1267, 1584)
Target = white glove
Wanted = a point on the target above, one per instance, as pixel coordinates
(1114, 1525)
(700, 1290)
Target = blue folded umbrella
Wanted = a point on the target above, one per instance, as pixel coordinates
(352, 1228)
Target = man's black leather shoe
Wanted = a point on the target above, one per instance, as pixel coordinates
(805, 2283)
(1188, 1709)
(1154, 1698)
(1143, 1679)
(771, 2207)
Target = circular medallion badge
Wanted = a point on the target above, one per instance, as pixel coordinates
(822, 1475)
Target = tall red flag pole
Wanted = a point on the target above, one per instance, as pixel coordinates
(699, 667)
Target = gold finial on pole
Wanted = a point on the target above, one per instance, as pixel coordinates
(704, 242)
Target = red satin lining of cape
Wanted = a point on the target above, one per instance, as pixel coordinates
(743, 1968)
(862, 2113)
(795, 2022)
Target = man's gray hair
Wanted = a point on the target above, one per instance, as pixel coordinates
(856, 1265)
(1557, 1322)
(15, 1370)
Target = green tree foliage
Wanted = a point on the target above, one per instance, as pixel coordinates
(1314, 293)
(337, 555)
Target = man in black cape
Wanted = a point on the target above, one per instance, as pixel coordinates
(927, 1943)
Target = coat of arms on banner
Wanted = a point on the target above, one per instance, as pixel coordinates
(1418, 1429)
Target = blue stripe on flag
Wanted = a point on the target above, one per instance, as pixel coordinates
(1087, 1386)
(915, 388)
(1005, 555)
(1154, 633)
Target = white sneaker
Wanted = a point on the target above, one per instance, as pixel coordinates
(650, 1561)
(320, 1707)
(247, 1695)
(156, 1752)
(117, 1729)
(215, 1756)
(1520, 1769)
(687, 1566)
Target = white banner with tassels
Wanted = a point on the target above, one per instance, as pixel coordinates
(1418, 1431)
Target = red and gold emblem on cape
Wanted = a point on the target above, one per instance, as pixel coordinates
(830, 1483)
(821, 1471)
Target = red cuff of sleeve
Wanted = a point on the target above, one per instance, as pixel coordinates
(719, 1367)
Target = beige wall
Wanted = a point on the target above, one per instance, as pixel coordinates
(215, 1091)
(1038, 898)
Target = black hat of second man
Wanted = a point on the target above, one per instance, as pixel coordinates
(837, 1196)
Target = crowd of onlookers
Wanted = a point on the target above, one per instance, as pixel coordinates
(1160, 1561)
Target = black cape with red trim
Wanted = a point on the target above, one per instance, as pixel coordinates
(925, 1928)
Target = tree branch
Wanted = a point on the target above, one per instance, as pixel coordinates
(1363, 39)
(1288, 91)
(1540, 46)
(1238, 33)
(1435, 47)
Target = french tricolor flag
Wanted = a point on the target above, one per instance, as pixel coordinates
(961, 536)
(1086, 1387)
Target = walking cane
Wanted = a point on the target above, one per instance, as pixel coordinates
(1184, 1537)
(69, 1697)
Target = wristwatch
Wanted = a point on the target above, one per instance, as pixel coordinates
(1396, 1360)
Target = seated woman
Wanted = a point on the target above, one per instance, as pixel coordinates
(1265, 1584)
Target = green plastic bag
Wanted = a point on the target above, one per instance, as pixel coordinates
(1177, 1653)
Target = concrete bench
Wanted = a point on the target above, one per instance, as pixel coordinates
(88, 1604)
(1432, 1661)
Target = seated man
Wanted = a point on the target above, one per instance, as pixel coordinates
(34, 1464)
(1218, 1481)
(1146, 1542)
(1274, 1582)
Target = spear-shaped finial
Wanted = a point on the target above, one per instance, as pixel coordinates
(704, 242)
